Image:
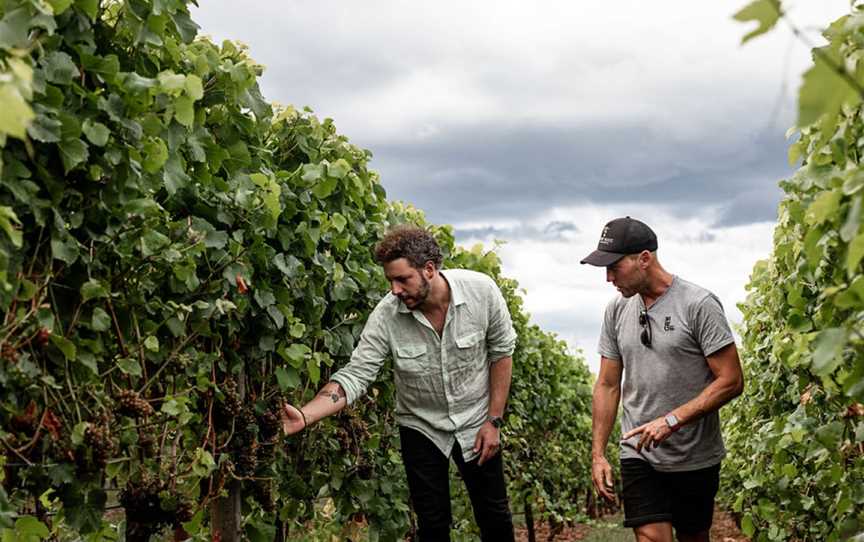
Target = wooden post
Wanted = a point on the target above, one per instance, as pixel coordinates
(590, 504)
(529, 518)
(225, 513)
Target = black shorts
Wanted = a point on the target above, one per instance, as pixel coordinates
(685, 499)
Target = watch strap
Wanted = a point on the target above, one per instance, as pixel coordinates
(497, 421)
(672, 422)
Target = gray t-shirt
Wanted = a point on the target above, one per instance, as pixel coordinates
(687, 324)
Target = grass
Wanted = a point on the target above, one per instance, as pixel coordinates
(609, 530)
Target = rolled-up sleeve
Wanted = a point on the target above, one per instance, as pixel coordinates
(366, 360)
(500, 335)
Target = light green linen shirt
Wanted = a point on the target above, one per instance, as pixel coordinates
(442, 383)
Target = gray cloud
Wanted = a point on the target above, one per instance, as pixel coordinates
(517, 171)
(756, 205)
(471, 126)
(556, 230)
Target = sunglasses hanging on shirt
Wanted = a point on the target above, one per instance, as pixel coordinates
(645, 322)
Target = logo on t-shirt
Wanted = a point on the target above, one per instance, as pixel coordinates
(667, 324)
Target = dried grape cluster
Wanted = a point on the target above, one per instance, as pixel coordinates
(101, 445)
(269, 425)
(141, 501)
(246, 460)
(246, 426)
(63, 450)
(262, 492)
(246, 442)
(147, 441)
(231, 405)
(130, 403)
(144, 506)
(9, 353)
(266, 453)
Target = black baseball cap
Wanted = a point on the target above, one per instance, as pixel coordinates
(619, 238)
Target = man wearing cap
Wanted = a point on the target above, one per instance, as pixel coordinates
(670, 341)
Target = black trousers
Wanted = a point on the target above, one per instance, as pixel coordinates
(429, 484)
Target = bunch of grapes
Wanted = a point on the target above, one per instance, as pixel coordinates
(246, 459)
(147, 512)
(98, 440)
(269, 425)
(231, 405)
(262, 492)
(365, 469)
(183, 513)
(266, 454)
(343, 438)
(147, 442)
(62, 450)
(358, 428)
(8, 352)
(129, 403)
(141, 500)
(245, 426)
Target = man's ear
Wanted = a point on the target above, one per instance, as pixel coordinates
(645, 258)
(429, 270)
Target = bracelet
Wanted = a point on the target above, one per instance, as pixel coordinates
(305, 423)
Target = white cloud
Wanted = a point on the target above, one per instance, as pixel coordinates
(387, 69)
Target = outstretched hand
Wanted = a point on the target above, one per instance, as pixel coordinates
(653, 433)
(292, 419)
(488, 442)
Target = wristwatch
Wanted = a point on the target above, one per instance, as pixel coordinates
(497, 421)
(672, 422)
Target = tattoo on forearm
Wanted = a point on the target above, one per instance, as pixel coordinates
(333, 392)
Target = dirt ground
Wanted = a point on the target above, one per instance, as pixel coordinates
(724, 529)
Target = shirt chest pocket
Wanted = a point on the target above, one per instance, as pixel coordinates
(411, 358)
(470, 347)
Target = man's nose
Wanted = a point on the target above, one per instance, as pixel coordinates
(610, 276)
(395, 289)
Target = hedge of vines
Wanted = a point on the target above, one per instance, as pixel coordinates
(177, 258)
(796, 438)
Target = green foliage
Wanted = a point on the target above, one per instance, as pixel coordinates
(765, 12)
(166, 235)
(177, 257)
(796, 438)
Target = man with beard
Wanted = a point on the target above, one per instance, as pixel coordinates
(451, 339)
(670, 340)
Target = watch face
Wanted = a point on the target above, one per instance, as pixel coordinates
(496, 421)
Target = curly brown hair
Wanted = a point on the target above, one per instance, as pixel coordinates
(410, 242)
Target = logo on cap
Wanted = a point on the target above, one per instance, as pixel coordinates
(604, 240)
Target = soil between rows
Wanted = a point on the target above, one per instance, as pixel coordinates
(609, 529)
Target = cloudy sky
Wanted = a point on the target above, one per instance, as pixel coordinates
(537, 122)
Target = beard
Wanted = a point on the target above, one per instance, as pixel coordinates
(416, 301)
(626, 292)
(635, 285)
